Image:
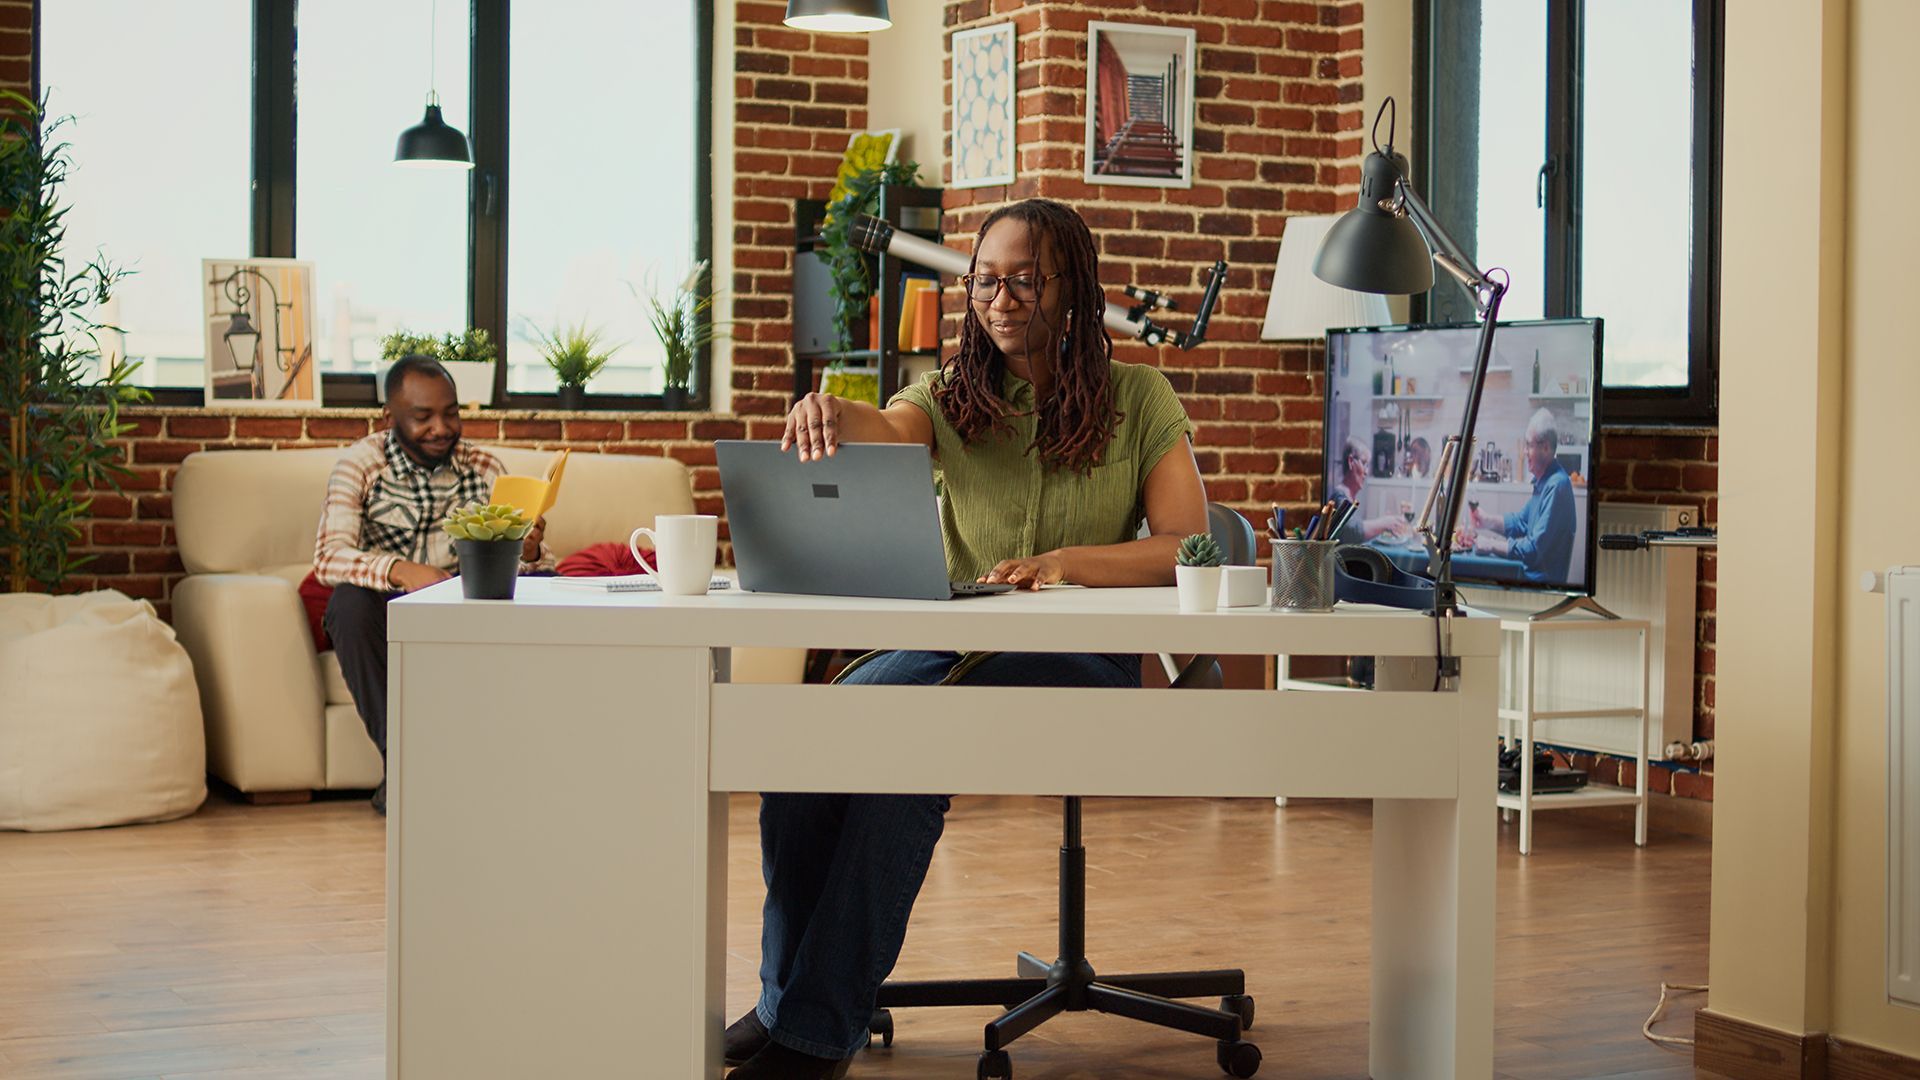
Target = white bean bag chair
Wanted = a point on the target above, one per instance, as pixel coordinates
(99, 715)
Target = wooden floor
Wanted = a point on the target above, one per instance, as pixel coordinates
(247, 942)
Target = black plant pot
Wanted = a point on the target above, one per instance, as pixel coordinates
(673, 398)
(488, 568)
(573, 397)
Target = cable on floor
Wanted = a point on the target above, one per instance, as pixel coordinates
(1647, 1028)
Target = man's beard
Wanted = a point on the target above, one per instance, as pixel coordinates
(419, 453)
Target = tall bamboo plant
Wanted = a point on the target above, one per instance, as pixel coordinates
(61, 415)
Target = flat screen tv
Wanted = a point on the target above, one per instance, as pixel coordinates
(1396, 394)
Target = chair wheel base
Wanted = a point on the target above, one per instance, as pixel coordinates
(1238, 1058)
(1241, 1004)
(882, 1026)
(996, 1065)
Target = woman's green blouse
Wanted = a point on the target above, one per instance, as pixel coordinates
(1003, 502)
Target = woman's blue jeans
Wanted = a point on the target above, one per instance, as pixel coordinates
(842, 871)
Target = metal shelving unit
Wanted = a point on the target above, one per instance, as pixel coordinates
(912, 210)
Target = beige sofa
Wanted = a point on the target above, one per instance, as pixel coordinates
(279, 719)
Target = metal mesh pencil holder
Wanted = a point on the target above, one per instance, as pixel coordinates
(1303, 575)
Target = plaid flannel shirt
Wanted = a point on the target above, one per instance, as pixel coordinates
(383, 508)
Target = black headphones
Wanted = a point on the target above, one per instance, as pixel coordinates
(1362, 575)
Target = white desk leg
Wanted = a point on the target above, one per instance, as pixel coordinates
(1433, 864)
(556, 866)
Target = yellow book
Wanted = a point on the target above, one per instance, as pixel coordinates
(533, 497)
(909, 309)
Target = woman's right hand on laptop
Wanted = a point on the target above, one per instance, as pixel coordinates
(814, 426)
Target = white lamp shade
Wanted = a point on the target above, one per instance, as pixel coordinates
(1302, 307)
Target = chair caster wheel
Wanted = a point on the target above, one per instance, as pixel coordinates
(881, 1025)
(1241, 1059)
(996, 1065)
(1242, 1005)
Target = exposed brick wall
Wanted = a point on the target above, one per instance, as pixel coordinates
(16, 46)
(798, 96)
(1276, 132)
(130, 535)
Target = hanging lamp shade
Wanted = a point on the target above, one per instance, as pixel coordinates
(839, 16)
(433, 143)
(1372, 249)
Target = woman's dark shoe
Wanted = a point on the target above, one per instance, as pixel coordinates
(776, 1062)
(746, 1037)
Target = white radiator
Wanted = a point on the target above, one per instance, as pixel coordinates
(1656, 584)
(1902, 586)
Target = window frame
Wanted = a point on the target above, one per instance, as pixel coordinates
(275, 203)
(1698, 401)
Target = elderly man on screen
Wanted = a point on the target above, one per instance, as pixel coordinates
(1540, 535)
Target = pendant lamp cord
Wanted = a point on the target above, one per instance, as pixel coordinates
(433, 41)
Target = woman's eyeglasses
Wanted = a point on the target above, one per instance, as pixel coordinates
(985, 288)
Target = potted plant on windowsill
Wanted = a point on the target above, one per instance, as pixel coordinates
(468, 357)
(575, 355)
(488, 540)
(684, 326)
(1196, 573)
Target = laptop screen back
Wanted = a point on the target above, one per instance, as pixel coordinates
(863, 522)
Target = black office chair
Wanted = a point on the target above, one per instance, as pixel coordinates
(1043, 990)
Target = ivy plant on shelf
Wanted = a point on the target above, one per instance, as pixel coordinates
(61, 413)
(848, 280)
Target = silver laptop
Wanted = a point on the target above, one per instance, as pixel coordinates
(860, 523)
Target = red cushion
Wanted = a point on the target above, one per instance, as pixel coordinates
(611, 559)
(314, 597)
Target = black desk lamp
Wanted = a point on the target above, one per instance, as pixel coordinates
(1388, 244)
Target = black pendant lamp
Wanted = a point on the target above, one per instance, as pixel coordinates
(839, 16)
(433, 143)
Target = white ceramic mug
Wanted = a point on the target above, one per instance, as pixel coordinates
(685, 549)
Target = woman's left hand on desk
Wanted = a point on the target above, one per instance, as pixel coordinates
(1029, 573)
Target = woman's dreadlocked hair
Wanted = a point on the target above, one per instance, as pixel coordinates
(1078, 420)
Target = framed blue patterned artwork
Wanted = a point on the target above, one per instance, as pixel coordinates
(983, 136)
(1139, 105)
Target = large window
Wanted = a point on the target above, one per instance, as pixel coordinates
(603, 174)
(159, 180)
(1576, 144)
(275, 137)
(388, 244)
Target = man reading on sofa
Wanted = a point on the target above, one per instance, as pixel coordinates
(380, 531)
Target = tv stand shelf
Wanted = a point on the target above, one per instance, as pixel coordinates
(1525, 702)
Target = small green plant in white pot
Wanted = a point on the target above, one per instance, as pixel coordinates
(468, 356)
(1196, 573)
(489, 540)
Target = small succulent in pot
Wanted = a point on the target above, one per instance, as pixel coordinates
(1196, 573)
(494, 521)
(1198, 550)
(488, 539)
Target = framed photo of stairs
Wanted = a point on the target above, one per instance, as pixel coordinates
(1139, 105)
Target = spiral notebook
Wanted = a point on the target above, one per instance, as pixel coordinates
(632, 583)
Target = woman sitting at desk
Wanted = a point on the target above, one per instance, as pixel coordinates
(1052, 453)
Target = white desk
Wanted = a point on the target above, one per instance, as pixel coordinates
(558, 765)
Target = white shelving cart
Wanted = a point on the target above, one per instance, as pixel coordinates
(1582, 682)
